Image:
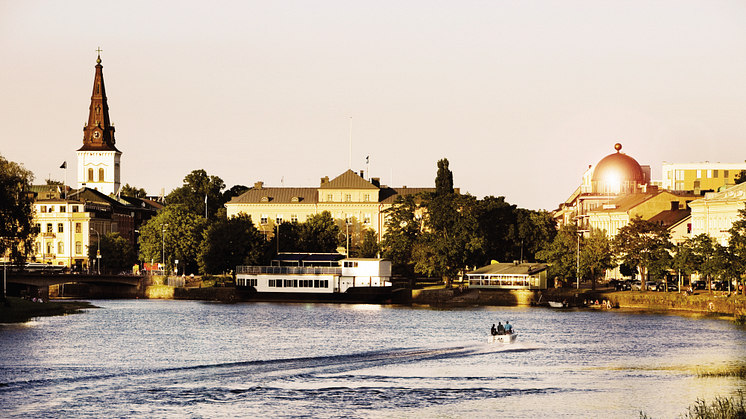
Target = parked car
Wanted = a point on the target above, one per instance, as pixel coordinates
(623, 286)
(650, 285)
(719, 285)
(699, 285)
(636, 285)
(670, 287)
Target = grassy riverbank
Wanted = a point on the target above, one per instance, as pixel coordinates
(19, 310)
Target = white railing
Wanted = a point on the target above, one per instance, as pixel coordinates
(293, 270)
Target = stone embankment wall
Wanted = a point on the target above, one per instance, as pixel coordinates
(225, 294)
(704, 302)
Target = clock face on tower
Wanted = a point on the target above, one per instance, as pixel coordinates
(96, 134)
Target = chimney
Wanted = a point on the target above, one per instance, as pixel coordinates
(362, 174)
(258, 185)
(324, 180)
(674, 205)
(376, 181)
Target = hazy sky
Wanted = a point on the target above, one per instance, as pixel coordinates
(520, 96)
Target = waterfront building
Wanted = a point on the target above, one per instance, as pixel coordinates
(700, 176)
(512, 276)
(715, 213)
(356, 203)
(98, 158)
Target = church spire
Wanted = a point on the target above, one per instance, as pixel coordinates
(98, 133)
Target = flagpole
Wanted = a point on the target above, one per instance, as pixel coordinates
(350, 166)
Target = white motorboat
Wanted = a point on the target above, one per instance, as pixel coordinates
(557, 304)
(509, 338)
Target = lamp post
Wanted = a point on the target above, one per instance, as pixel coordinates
(163, 245)
(98, 250)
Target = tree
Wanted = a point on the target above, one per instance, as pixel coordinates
(133, 191)
(176, 229)
(319, 233)
(228, 243)
(444, 179)
(737, 247)
(497, 225)
(403, 229)
(199, 191)
(450, 241)
(561, 253)
(596, 256)
(234, 191)
(642, 243)
(117, 254)
(533, 229)
(17, 233)
(369, 248)
(740, 177)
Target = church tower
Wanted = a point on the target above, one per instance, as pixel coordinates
(98, 159)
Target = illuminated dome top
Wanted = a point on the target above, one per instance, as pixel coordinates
(618, 167)
(617, 173)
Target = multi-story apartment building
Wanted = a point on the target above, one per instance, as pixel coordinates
(700, 176)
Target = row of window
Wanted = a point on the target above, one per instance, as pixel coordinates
(60, 248)
(60, 227)
(279, 219)
(347, 197)
(63, 208)
(711, 174)
(298, 283)
(100, 175)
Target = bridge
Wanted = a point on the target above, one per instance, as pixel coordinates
(38, 283)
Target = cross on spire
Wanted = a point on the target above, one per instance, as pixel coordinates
(98, 60)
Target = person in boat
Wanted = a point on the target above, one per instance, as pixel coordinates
(500, 329)
(508, 328)
(493, 330)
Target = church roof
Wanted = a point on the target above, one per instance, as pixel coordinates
(98, 133)
(348, 180)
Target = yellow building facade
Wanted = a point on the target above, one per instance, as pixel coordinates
(356, 203)
(699, 176)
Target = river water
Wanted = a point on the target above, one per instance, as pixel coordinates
(185, 359)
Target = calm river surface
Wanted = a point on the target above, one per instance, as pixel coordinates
(184, 359)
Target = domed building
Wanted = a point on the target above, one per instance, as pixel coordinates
(618, 174)
(613, 176)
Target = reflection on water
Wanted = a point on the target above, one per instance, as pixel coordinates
(192, 359)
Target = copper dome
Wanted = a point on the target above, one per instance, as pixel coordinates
(618, 167)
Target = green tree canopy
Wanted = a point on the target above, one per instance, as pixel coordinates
(228, 243)
(17, 233)
(737, 247)
(199, 190)
(498, 227)
(403, 229)
(176, 229)
(133, 191)
(561, 253)
(117, 254)
(596, 256)
(319, 233)
(369, 248)
(643, 244)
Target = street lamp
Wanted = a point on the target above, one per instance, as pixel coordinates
(163, 245)
(98, 250)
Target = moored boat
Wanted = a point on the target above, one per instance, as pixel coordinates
(310, 277)
(557, 304)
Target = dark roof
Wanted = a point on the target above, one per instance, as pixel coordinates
(510, 269)
(348, 180)
(388, 195)
(278, 196)
(671, 217)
